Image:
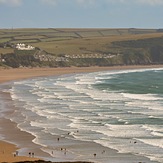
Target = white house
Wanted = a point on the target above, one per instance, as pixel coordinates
(20, 46)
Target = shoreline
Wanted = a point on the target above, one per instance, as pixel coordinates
(8, 127)
(12, 74)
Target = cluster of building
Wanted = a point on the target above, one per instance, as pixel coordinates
(43, 56)
(20, 46)
(91, 55)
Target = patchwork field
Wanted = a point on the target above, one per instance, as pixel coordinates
(74, 41)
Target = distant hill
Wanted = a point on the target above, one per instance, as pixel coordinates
(81, 47)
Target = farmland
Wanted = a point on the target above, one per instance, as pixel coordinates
(72, 41)
(82, 42)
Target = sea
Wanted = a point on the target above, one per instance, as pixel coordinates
(117, 109)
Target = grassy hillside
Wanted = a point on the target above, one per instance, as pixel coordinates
(118, 46)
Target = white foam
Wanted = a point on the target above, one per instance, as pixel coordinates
(154, 143)
(113, 72)
(142, 97)
(72, 103)
(155, 130)
(125, 131)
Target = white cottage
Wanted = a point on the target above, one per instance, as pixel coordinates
(20, 46)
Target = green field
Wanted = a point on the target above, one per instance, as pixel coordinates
(75, 41)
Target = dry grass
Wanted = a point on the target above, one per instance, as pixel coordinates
(27, 30)
(24, 41)
(5, 51)
(55, 39)
(75, 41)
(61, 34)
(4, 40)
(91, 44)
(29, 37)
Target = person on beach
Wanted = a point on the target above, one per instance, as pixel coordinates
(65, 151)
(103, 151)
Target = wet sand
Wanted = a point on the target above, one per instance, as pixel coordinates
(8, 153)
(10, 132)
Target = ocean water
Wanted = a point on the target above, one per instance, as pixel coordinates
(121, 110)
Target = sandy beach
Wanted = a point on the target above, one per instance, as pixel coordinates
(24, 73)
(9, 129)
(8, 153)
